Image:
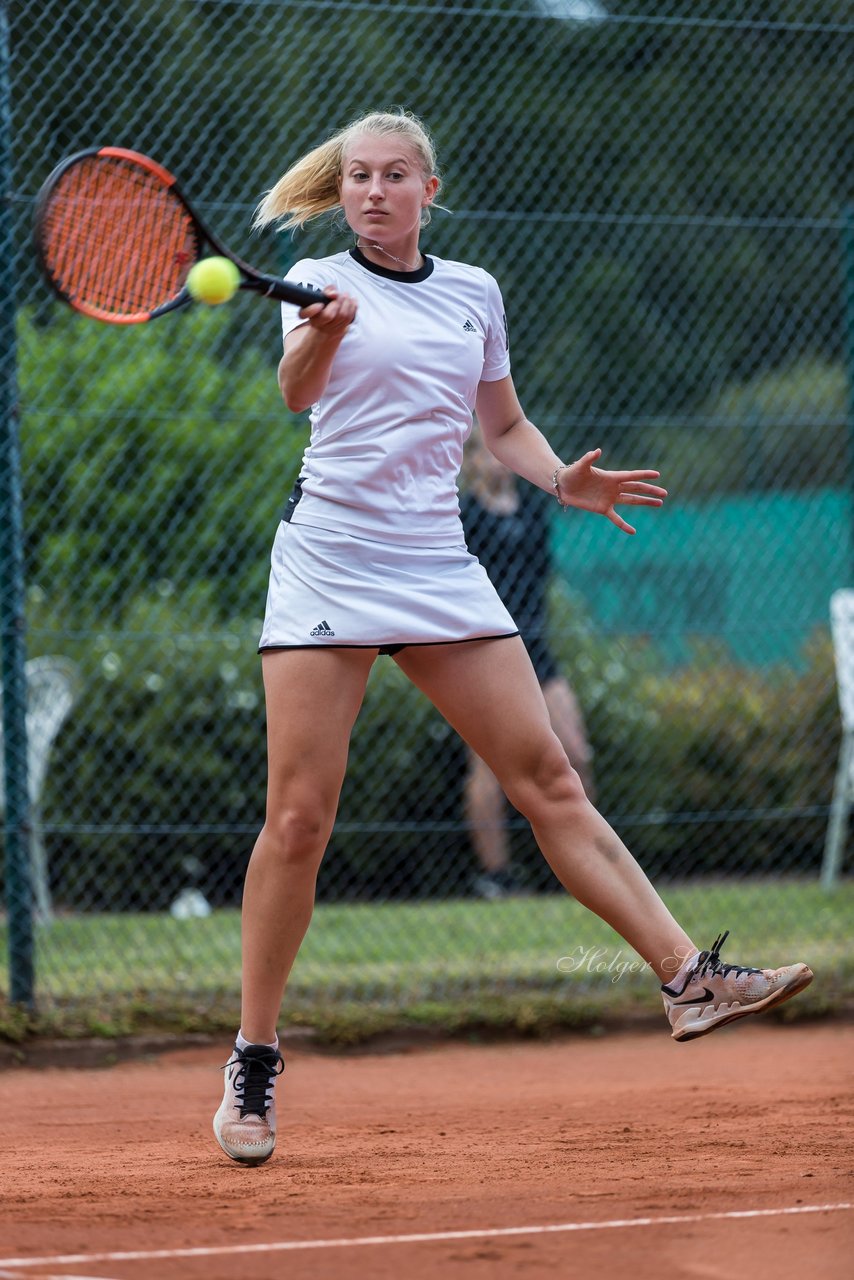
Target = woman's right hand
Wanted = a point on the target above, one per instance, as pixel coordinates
(310, 349)
(334, 318)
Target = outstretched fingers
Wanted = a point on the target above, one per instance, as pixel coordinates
(636, 482)
(640, 499)
(638, 492)
(634, 491)
(617, 519)
(596, 489)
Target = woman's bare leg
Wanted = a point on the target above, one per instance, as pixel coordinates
(485, 804)
(488, 692)
(313, 697)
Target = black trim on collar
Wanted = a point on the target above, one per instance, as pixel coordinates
(405, 277)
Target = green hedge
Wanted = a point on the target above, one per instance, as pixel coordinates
(712, 769)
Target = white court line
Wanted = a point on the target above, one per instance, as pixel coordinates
(11, 1275)
(426, 1237)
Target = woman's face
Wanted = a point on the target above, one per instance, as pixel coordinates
(383, 189)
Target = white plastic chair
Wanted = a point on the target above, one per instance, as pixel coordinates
(842, 629)
(52, 685)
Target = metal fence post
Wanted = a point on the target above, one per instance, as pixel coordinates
(18, 886)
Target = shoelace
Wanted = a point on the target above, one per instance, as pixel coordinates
(710, 961)
(253, 1080)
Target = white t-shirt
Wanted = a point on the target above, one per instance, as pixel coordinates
(387, 434)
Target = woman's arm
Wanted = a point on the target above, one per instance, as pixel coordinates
(511, 437)
(524, 449)
(309, 350)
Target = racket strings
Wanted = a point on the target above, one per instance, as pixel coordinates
(116, 239)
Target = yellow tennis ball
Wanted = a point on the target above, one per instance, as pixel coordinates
(213, 280)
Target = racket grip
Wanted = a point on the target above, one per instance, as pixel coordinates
(271, 287)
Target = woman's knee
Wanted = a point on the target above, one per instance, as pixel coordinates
(297, 833)
(546, 780)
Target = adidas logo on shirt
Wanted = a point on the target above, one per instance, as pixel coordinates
(322, 629)
(468, 327)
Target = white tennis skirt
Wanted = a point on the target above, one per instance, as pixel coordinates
(328, 588)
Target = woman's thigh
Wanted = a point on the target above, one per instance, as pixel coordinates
(313, 697)
(488, 691)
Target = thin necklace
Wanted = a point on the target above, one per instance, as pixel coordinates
(410, 266)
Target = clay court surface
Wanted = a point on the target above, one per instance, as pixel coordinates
(635, 1150)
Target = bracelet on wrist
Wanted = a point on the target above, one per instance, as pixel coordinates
(556, 486)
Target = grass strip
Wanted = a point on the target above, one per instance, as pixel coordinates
(530, 964)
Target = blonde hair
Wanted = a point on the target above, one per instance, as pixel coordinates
(311, 186)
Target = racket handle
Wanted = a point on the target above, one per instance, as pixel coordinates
(271, 287)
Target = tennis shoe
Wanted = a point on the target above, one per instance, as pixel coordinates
(245, 1124)
(706, 993)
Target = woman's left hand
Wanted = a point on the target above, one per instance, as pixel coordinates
(583, 485)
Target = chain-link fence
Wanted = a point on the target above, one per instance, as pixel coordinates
(662, 188)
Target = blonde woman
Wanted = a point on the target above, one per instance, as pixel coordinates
(370, 559)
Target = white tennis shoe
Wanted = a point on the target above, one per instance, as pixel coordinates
(245, 1124)
(706, 993)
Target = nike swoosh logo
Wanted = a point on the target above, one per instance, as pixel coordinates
(703, 999)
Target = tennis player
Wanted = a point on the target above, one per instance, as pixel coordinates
(507, 529)
(370, 559)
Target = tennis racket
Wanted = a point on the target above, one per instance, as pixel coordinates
(116, 238)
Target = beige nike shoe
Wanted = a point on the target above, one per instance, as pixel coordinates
(706, 994)
(245, 1124)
